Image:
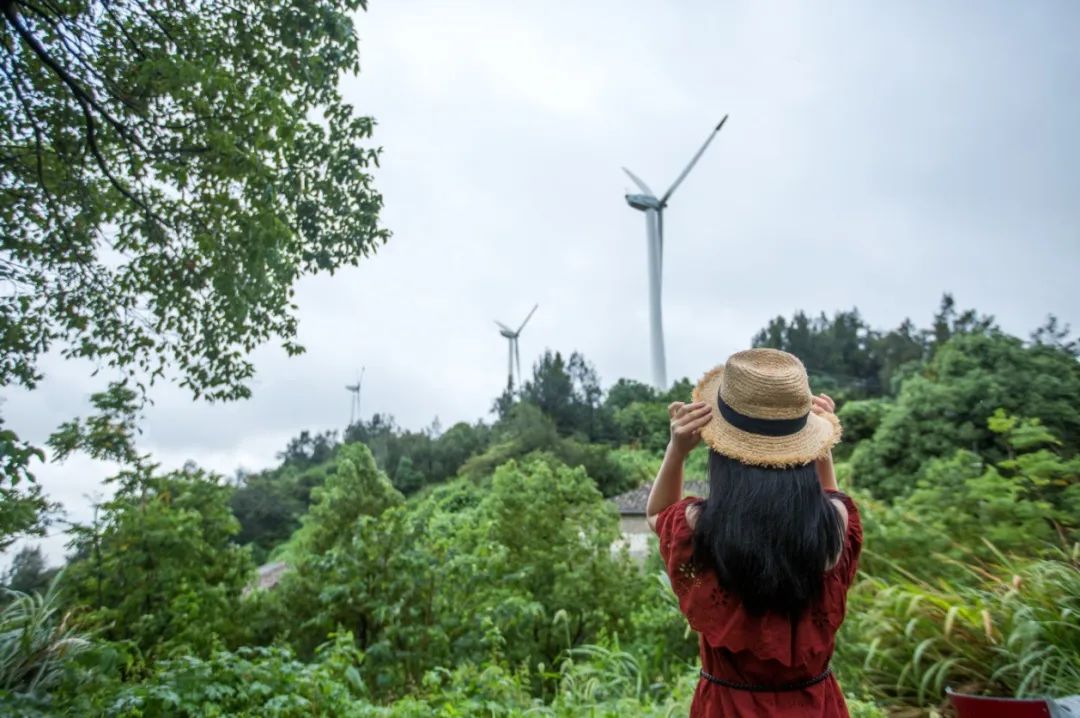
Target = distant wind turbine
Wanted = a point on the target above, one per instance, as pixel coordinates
(654, 230)
(515, 356)
(354, 389)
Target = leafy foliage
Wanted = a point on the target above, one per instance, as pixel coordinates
(169, 172)
(168, 181)
(948, 405)
(463, 574)
(250, 682)
(24, 510)
(158, 568)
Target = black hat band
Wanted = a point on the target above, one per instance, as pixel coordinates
(754, 425)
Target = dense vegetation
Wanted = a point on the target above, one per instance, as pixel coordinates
(469, 570)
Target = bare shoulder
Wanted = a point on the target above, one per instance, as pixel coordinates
(692, 513)
(842, 510)
(691, 510)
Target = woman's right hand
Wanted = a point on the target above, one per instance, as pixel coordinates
(687, 421)
(823, 404)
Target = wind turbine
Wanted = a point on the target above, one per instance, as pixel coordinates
(354, 389)
(512, 336)
(654, 232)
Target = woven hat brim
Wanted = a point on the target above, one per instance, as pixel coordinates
(814, 441)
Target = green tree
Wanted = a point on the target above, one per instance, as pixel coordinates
(557, 534)
(838, 353)
(407, 478)
(1025, 505)
(159, 567)
(643, 425)
(860, 419)
(268, 506)
(552, 390)
(23, 507)
(568, 391)
(307, 450)
(28, 572)
(380, 436)
(948, 322)
(897, 350)
(356, 488)
(169, 172)
(628, 391)
(587, 396)
(1053, 334)
(454, 447)
(947, 406)
(518, 568)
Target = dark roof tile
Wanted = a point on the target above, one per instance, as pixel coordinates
(633, 502)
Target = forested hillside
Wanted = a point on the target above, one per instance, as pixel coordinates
(469, 570)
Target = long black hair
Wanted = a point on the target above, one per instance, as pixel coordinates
(770, 534)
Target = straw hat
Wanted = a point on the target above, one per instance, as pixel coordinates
(761, 414)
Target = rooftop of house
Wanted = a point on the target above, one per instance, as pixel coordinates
(633, 502)
(270, 573)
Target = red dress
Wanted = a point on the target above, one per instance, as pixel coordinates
(759, 650)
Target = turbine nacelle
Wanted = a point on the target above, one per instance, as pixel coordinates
(507, 331)
(643, 202)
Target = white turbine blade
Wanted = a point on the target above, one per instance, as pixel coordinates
(517, 359)
(664, 199)
(641, 185)
(504, 327)
(526, 319)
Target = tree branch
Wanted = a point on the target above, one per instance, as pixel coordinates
(88, 104)
(28, 111)
(81, 94)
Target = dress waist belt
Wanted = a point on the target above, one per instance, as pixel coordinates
(797, 686)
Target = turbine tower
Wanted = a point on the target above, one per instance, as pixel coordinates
(354, 389)
(654, 234)
(515, 357)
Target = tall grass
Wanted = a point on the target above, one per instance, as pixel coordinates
(1012, 629)
(36, 640)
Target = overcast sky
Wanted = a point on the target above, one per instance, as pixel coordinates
(876, 155)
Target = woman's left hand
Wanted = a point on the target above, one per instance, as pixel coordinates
(687, 421)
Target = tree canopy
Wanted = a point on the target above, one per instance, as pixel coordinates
(168, 171)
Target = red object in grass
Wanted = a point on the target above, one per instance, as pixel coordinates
(990, 707)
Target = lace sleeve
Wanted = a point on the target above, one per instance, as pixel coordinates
(677, 543)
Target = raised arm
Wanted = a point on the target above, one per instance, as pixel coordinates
(687, 421)
(826, 472)
(823, 404)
